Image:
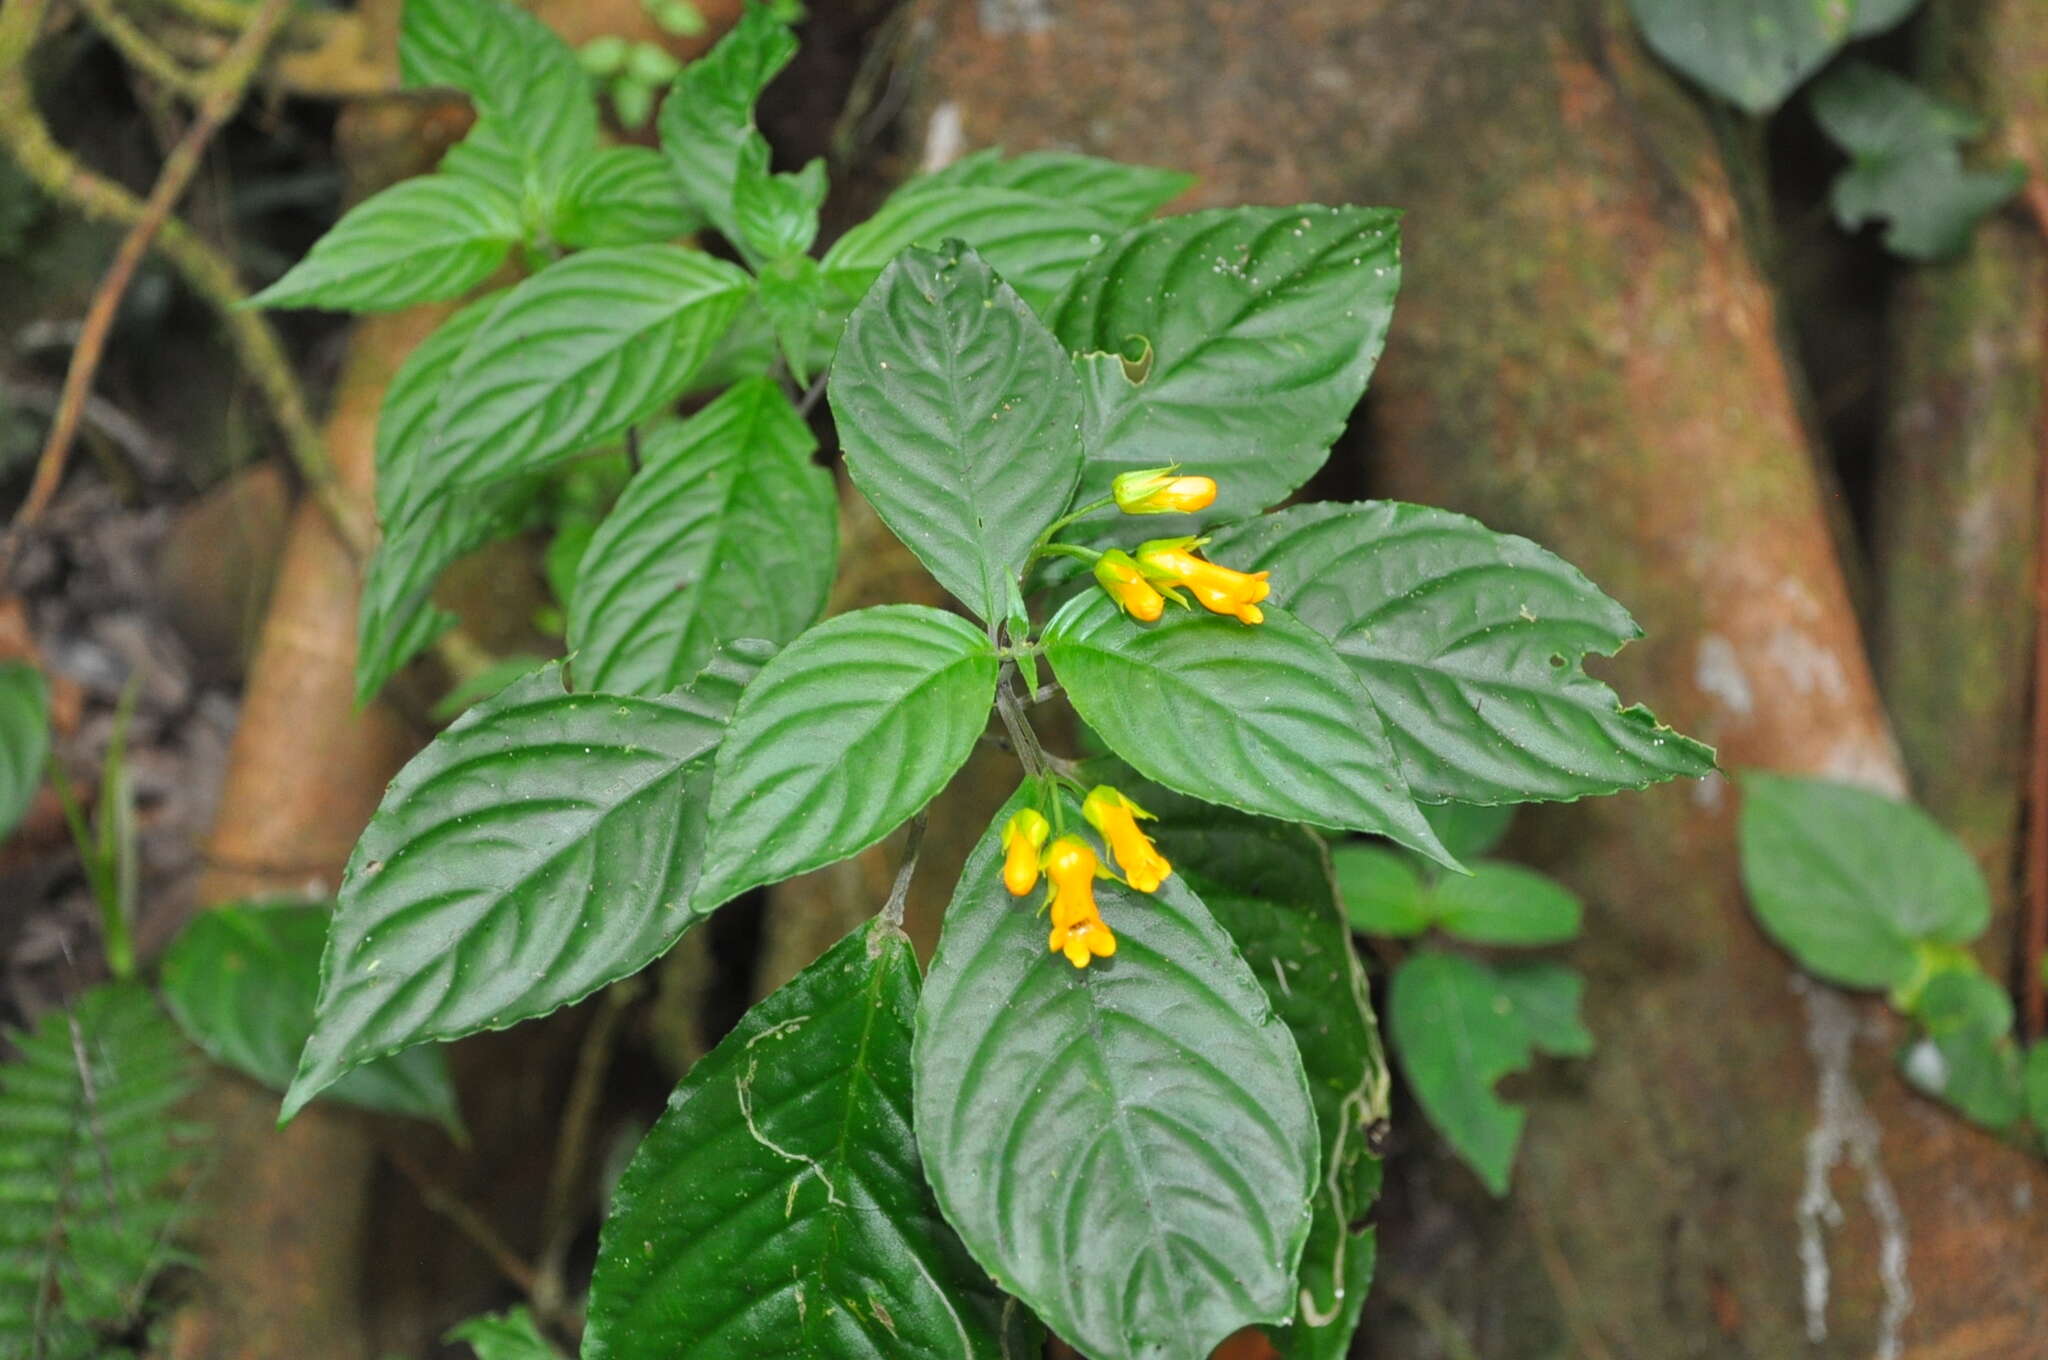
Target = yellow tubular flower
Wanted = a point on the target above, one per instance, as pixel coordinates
(1023, 834)
(1221, 591)
(1085, 939)
(1071, 864)
(1118, 574)
(1115, 816)
(1157, 491)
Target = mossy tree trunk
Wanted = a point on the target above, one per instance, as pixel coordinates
(1585, 352)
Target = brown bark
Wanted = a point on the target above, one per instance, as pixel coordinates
(1584, 352)
(1957, 521)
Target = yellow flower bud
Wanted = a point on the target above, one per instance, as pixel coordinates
(1118, 574)
(1172, 562)
(1158, 491)
(1115, 816)
(1023, 834)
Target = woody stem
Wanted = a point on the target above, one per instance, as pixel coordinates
(1023, 740)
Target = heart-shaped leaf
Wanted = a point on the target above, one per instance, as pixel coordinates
(1139, 1216)
(961, 419)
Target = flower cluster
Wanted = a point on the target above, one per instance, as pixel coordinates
(1141, 582)
(1071, 866)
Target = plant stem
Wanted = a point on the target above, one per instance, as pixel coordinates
(2034, 941)
(899, 894)
(224, 88)
(1023, 740)
(1078, 513)
(467, 1221)
(572, 1148)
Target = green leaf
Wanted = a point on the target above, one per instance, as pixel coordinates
(1126, 194)
(621, 196)
(523, 78)
(24, 739)
(707, 120)
(1382, 891)
(1848, 882)
(1752, 53)
(539, 848)
(1035, 243)
(1876, 16)
(405, 420)
(727, 674)
(396, 619)
(728, 530)
(1905, 167)
(960, 418)
(847, 732)
(1469, 828)
(1267, 885)
(489, 156)
(2034, 1084)
(1505, 904)
(1470, 644)
(1968, 1058)
(1128, 1147)
(511, 1335)
(241, 981)
(422, 240)
(1264, 719)
(775, 215)
(93, 1170)
(791, 293)
(1459, 1026)
(578, 353)
(779, 1207)
(1261, 326)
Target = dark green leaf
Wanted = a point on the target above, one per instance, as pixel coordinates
(405, 420)
(707, 119)
(1876, 16)
(511, 1335)
(1127, 194)
(1905, 168)
(727, 674)
(1850, 881)
(1505, 904)
(960, 417)
(728, 530)
(1260, 327)
(1382, 891)
(541, 847)
(1752, 53)
(578, 353)
(1264, 719)
(1470, 644)
(778, 1209)
(522, 77)
(1267, 885)
(422, 240)
(242, 980)
(1035, 243)
(1459, 1026)
(93, 1168)
(1968, 1058)
(1137, 1213)
(24, 739)
(621, 196)
(1469, 828)
(396, 619)
(847, 732)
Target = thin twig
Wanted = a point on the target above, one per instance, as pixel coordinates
(899, 895)
(467, 1221)
(2034, 949)
(141, 50)
(224, 87)
(810, 397)
(572, 1148)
